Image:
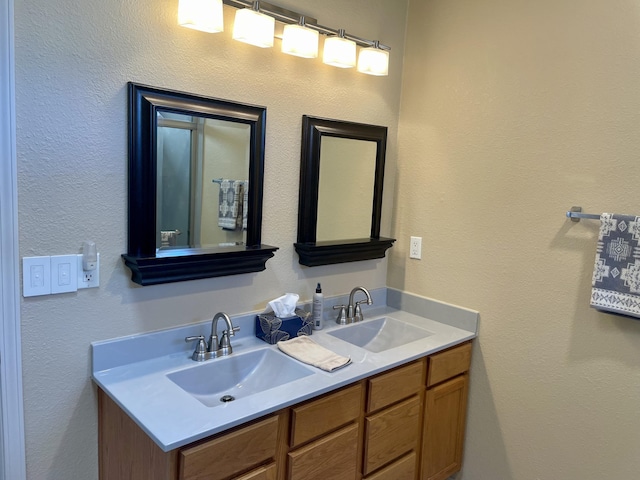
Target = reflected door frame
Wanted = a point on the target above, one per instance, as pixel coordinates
(12, 445)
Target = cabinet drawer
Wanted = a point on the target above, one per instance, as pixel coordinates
(332, 457)
(230, 453)
(262, 473)
(403, 469)
(394, 386)
(318, 417)
(391, 433)
(448, 364)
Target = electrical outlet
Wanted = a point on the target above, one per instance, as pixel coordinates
(415, 248)
(88, 278)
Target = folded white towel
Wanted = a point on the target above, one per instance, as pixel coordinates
(307, 351)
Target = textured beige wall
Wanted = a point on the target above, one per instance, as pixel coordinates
(73, 59)
(512, 112)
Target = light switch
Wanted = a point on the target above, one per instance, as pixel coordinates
(36, 276)
(64, 273)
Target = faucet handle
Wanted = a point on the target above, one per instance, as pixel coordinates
(232, 332)
(342, 314)
(200, 353)
(357, 315)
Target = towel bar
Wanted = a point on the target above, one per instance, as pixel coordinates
(575, 214)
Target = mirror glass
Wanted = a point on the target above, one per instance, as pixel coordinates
(345, 190)
(196, 169)
(340, 197)
(203, 171)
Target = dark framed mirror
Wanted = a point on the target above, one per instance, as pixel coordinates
(196, 168)
(340, 199)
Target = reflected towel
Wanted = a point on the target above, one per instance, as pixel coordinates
(307, 351)
(232, 204)
(616, 273)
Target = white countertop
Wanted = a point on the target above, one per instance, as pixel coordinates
(173, 418)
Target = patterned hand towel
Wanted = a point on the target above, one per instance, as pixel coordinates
(616, 274)
(232, 204)
(307, 351)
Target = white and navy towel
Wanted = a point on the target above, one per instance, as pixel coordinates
(232, 204)
(616, 274)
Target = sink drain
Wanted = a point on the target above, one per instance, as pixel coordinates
(227, 398)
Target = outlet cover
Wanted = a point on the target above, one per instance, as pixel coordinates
(88, 278)
(415, 248)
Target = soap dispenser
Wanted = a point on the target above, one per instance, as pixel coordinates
(316, 308)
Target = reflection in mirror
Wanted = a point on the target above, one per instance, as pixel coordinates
(345, 190)
(196, 168)
(340, 198)
(203, 167)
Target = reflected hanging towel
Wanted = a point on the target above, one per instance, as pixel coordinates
(232, 204)
(616, 274)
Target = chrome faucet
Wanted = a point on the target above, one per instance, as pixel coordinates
(215, 348)
(353, 311)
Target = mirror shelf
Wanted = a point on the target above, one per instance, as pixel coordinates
(197, 264)
(150, 257)
(328, 253)
(333, 198)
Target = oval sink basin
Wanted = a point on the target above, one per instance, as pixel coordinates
(238, 376)
(380, 334)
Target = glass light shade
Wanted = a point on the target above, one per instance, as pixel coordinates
(300, 41)
(254, 28)
(339, 52)
(373, 61)
(205, 15)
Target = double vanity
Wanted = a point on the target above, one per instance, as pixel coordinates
(396, 412)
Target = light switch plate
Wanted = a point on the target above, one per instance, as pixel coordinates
(36, 276)
(64, 273)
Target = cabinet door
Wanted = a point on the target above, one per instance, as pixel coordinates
(403, 469)
(391, 433)
(230, 453)
(396, 385)
(318, 417)
(334, 457)
(443, 438)
(262, 473)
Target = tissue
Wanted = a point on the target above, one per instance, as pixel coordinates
(284, 306)
(285, 322)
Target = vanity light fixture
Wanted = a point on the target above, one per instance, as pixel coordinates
(205, 15)
(299, 40)
(339, 51)
(255, 24)
(373, 60)
(253, 27)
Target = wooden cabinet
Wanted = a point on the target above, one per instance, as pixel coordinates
(329, 455)
(404, 424)
(394, 407)
(318, 417)
(261, 473)
(230, 454)
(334, 456)
(445, 413)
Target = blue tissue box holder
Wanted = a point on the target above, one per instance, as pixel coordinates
(273, 329)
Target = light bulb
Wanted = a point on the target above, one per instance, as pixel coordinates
(339, 51)
(204, 15)
(300, 41)
(373, 61)
(254, 28)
